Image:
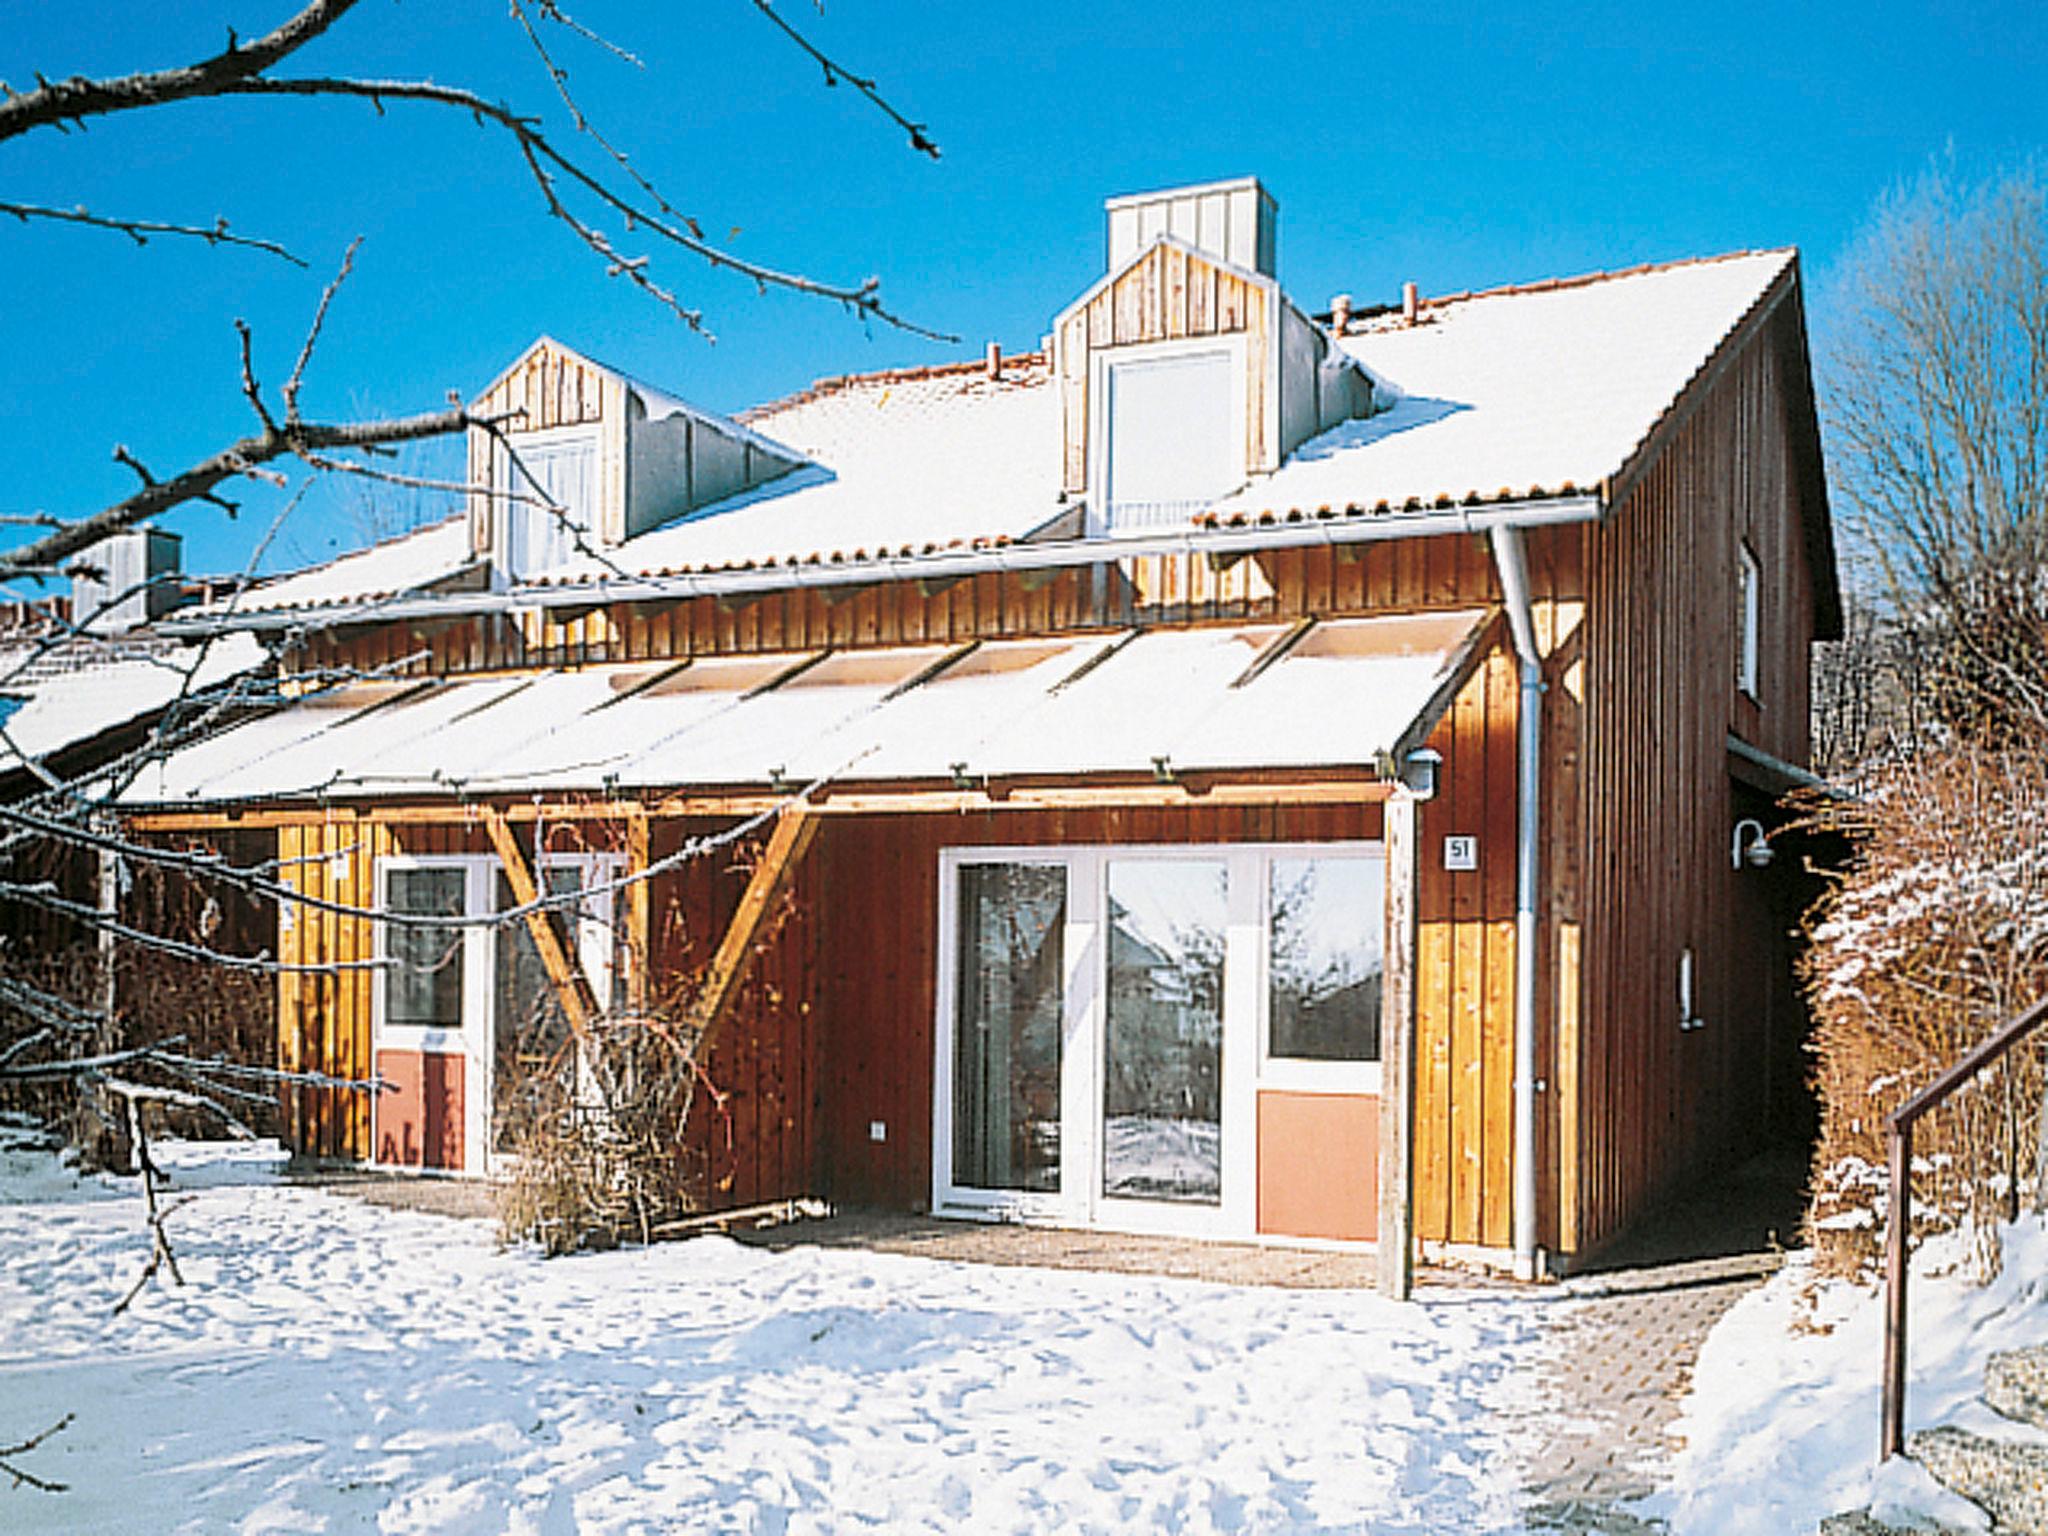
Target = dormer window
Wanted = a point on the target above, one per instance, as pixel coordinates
(562, 466)
(1171, 432)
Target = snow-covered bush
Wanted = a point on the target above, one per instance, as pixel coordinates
(1936, 934)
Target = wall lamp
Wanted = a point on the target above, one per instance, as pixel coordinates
(1420, 772)
(1750, 843)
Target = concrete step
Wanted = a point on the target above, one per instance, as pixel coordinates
(2008, 1479)
(2016, 1384)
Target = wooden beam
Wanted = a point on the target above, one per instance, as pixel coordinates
(794, 830)
(1253, 788)
(572, 987)
(1396, 1256)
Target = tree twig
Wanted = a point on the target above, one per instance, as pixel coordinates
(139, 230)
(26, 1479)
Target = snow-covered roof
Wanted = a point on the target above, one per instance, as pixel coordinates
(393, 567)
(903, 463)
(1341, 693)
(1518, 393)
(85, 688)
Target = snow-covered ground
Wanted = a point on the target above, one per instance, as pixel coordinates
(336, 1366)
(1781, 1426)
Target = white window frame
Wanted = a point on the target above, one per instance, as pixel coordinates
(1308, 1074)
(1105, 360)
(1749, 586)
(1247, 1064)
(507, 482)
(476, 1040)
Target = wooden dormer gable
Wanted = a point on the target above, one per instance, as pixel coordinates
(1287, 379)
(623, 457)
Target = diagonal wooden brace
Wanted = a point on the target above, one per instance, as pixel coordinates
(572, 987)
(787, 845)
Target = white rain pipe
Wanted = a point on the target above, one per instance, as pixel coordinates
(1514, 585)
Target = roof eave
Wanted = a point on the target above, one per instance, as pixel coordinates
(1298, 531)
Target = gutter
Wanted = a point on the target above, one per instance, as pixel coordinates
(1509, 559)
(949, 564)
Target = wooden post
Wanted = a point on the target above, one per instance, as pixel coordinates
(794, 830)
(571, 986)
(1396, 1256)
(112, 1148)
(639, 913)
(1895, 1259)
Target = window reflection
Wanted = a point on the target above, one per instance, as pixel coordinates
(1324, 942)
(1162, 1105)
(1008, 1013)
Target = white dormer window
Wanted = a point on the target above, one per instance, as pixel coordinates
(1748, 618)
(1169, 426)
(561, 465)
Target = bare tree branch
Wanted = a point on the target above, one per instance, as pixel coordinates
(25, 1479)
(835, 72)
(65, 102)
(139, 230)
(241, 71)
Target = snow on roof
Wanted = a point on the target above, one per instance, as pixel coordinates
(1522, 392)
(910, 462)
(391, 567)
(89, 687)
(1539, 390)
(1343, 693)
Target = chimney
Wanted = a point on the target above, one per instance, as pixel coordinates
(130, 579)
(1411, 304)
(995, 360)
(1234, 221)
(1340, 312)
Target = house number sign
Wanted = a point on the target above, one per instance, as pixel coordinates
(1461, 852)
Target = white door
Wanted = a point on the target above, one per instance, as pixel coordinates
(1108, 1016)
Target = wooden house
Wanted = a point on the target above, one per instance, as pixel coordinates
(1240, 772)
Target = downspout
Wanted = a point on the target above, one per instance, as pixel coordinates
(1514, 584)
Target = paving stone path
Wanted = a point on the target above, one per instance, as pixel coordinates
(1620, 1363)
(1627, 1338)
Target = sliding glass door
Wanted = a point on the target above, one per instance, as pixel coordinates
(1009, 1012)
(1108, 1018)
(1162, 1052)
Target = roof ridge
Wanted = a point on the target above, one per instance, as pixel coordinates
(819, 389)
(1587, 279)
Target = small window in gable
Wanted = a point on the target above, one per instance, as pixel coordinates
(563, 469)
(1748, 618)
(1173, 436)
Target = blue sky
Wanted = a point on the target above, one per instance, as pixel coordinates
(1454, 145)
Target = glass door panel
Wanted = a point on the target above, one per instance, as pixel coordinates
(1162, 1100)
(1008, 1015)
(532, 1038)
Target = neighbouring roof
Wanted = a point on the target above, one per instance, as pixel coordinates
(1519, 393)
(77, 692)
(1341, 693)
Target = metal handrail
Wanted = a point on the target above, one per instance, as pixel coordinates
(1899, 1132)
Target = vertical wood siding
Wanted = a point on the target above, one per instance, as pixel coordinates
(1655, 1106)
